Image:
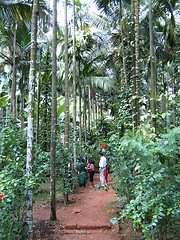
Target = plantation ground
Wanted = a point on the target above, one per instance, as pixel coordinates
(86, 217)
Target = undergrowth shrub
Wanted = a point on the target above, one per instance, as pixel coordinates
(146, 169)
(13, 181)
(12, 184)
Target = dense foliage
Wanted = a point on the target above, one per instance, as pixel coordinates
(115, 92)
(146, 170)
(12, 184)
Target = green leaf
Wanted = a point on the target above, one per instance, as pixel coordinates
(3, 100)
(60, 99)
(61, 108)
(163, 115)
(148, 236)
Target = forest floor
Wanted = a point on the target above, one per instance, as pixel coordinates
(87, 216)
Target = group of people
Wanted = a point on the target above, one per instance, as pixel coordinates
(84, 171)
(88, 170)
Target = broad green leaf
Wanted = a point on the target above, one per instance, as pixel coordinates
(60, 99)
(61, 108)
(4, 100)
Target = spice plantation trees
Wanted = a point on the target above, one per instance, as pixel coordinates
(122, 75)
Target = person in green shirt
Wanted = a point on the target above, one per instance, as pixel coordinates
(82, 173)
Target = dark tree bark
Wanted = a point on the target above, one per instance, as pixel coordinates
(53, 117)
(66, 137)
(74, 85)
(13, 98)
(137, 32)
(153, 75)
(38, 97)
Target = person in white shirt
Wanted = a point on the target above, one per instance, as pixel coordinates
(102, 169)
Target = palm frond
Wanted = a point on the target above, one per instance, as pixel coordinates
(104, 83)
(6, 59)
(4, 100)
(106, 5)
(11, 10)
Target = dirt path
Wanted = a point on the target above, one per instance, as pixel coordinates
(86, 217)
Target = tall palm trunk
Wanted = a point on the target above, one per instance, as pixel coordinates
(29, 159)
(45, 133)
(164, 97)
(133, 70)
(74, 85)
(84, 114)
(137, 32)
(122, 44)
(153, 75)
(66, 137)
(101, 108)
(38, 97)
(174, 105)
(80, 111)
(96, 108)
(22, 102)
(89, 108)
(53, 117)
(66, 82)
(93, 108)
(13, 99)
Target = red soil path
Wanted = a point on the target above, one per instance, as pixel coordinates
(86, 217)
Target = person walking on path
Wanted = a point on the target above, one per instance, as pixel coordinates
(82, 174)
(91, 171)
(102, 169)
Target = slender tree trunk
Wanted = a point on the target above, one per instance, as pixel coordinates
(29, 159)
(66, 82)
(74, 85)
(7, 115)
(13, 99)
(137, 60)
(89, 108)
(85, 116)
(133, 70)
(164, 98)
(122, 44)
(93, 107)
(153, 75)
(22, 102)
(96, 109)
(66, 137)
(80, 114)
(38, 98)
(45, 133)
(174, 105)
(80, 111)
(168, 80)
(53, 117)
(1, 118)
(101, 108)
